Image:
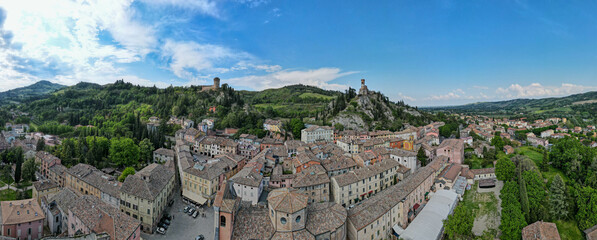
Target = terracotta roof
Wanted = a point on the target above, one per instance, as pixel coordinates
(295, 235)
(451, 172)
(252, 223)
(21, 211)
(540, 231)
(44, 185)
(311, 176)
(149, 182)
(96, 178)
(338, 163)
(98, 216)
(65, 199)
(325, 217)
(483, 171)
(286, 200)
(366, 172)
(165, 152)
(379, 204)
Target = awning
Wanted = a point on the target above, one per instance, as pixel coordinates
(416, 206)
(398, 230)
(194, 197)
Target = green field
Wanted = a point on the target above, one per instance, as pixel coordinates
(569, 230)
(537, 157)
(316, 95)
(8, 195)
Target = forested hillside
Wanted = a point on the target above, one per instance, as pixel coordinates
(37, 89)
(581, 109)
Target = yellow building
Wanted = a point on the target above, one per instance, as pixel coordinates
(145, 195)
(88, 180)
(44, 188)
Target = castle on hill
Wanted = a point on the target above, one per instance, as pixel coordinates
(215, 86)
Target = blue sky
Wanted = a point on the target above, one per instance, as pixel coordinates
(426, 53)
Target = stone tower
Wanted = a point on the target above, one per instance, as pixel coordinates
(363, 90)
(216, 82)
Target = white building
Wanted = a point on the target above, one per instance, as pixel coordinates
(316, 133)
(406, 158)
(248, 184)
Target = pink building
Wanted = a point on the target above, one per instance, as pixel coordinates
(89, 214)
(22, 219)
(453, 149)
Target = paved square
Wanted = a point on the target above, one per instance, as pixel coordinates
(184, 226)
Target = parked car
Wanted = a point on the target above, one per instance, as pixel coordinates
(162, 225)
(167, 216)
(161, 231)
(195, 214)
(166, 221)
(186, 209)
(200, 237)
(192, 211)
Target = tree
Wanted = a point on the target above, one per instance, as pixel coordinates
(524, 199)
(586, 200)
(127, 171)
(339, 126)
(558, 204)
(29, 169)
(512, 218)
(18, 154)
(536, 194)
(124, 152)
(295, 126)
(505, 170)
(41, 145)
(422, 157)
(459, 225)
(146, 150)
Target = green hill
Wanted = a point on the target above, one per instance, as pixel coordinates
(35, 90)
(580, 107)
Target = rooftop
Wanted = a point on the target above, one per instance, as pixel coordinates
(287, 200)
(21, 211)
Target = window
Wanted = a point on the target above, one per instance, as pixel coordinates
(8, 232)
(148, 211)
(298, 219)
(222, 221)
(283, 220)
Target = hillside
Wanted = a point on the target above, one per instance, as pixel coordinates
(35, 90)
(114, 107)
(372, 110)
(581, 107)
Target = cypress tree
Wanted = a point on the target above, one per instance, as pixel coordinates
(524, 199)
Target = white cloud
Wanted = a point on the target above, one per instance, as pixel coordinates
(66, 34)
(538, 90)
(404, 97)
(315, 77)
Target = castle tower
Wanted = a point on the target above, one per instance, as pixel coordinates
(216, 82)
(363, 90)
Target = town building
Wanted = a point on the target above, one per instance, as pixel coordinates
(314, 182)
(429, 224)
(212, 146)
(272, 125)
(145, 195)
(46, 161)
(88, 215)
(316, 133)
(162, 155)
(541, 231)
(453, 149)
(361, 183)
(288, 215)
(88, 180)
(56, 210)
(22, 219)
(376, 217)
(248, 183)
(43, 188)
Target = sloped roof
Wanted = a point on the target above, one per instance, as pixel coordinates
(149, 182)
(286, 200)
